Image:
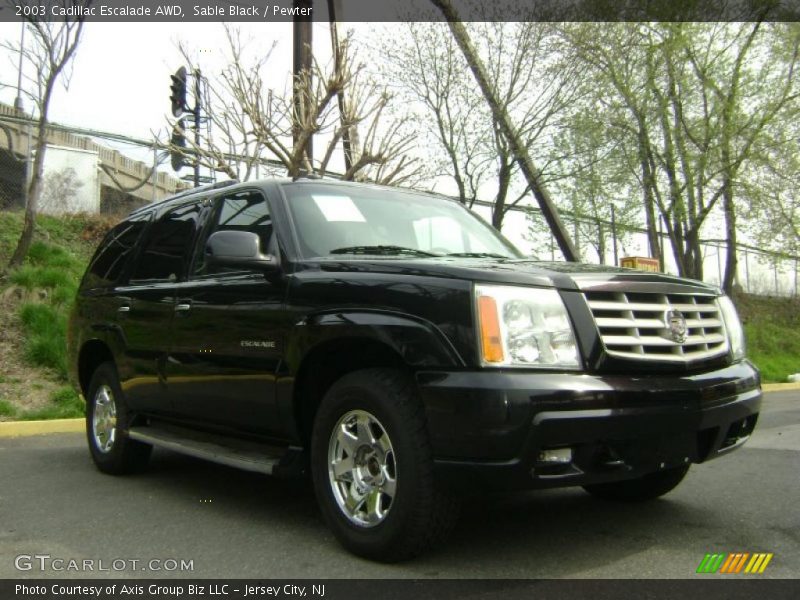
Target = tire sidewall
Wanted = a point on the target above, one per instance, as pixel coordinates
(106, 374)
(351, 394)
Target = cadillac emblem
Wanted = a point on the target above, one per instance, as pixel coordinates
(676, 326)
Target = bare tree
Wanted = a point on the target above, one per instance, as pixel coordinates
(507, 127)
(530, 84)
(59, 190)
(253, 123)
(47, 57)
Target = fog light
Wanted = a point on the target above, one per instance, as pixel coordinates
(555, 456)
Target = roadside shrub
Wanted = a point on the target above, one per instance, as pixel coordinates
(31, 277)
(7, 409)
(46, 342)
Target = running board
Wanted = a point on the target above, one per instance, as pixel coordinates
(264, 460)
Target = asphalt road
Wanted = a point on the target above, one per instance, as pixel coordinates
(234, 524)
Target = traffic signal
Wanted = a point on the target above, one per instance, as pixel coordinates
(178, 92)
(176, 143)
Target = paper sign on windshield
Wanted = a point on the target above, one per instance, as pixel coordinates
(339, 208)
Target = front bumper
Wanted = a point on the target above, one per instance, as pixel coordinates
(491, 427)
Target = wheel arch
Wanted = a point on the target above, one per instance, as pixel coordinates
(325, 347)
(328, 362)
(93, 353)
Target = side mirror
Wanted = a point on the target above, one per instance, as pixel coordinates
(238, 249)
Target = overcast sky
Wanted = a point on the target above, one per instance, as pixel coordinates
(120, 80)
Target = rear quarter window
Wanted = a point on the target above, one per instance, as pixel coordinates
(114, 253)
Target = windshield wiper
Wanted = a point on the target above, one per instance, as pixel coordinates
(476, 255)
(381, 250)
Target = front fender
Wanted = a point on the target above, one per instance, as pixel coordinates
(419, 343)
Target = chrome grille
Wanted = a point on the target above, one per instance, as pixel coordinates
(633, 325)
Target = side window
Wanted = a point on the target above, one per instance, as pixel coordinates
(169, 245)
(246, 211)
(115, 252)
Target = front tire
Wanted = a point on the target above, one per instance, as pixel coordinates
(372, 467)
(107, 420)
(645, 488)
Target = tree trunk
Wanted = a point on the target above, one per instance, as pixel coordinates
(33, 193)
(515, 143)
(647, 194)
(499, 208)
(731, 260)
(601, 243)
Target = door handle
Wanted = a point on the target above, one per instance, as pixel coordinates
(183, 307)
(124, 305)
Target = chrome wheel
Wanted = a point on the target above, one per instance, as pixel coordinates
(362, 468)
(104, 419)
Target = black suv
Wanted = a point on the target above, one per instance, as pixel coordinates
(401, 350)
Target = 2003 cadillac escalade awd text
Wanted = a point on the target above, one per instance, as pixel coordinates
(401, 350)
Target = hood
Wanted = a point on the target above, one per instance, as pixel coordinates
(561, 275)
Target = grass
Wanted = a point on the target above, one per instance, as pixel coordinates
(45, 326)
(772, 330)
(64, 404)
(50, 274)
(52, 270)
(7, 409)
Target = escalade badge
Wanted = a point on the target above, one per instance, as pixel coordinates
(676, 326)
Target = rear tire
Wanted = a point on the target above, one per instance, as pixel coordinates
(107, 421)
(372, 466)
(645, 488)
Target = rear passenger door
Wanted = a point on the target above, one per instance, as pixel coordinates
(146, 306)
(227, 338)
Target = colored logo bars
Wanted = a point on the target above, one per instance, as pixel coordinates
(735, 562)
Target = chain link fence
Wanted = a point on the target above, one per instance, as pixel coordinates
(12, 181)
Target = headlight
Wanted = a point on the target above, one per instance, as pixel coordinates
(524, 327)
(733, 326)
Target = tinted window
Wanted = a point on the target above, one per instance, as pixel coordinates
(169, 245)
(247, 211)
(114, 253)
(338, 219)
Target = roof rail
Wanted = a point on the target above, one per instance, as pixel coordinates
(304, 174)
(186, 193)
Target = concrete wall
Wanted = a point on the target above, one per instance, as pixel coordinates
(71, 181)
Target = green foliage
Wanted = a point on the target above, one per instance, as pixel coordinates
(774, 348)
(52, 271)
(32, 277)
(43, 254)
(7, 409)
(64, 404)
(45, 326)
(772, 329)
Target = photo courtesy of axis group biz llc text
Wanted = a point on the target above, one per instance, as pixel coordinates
(451, 298)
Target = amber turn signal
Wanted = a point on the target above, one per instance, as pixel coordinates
(491, 340)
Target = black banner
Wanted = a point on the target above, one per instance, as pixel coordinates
(348, 589)
(399, 10)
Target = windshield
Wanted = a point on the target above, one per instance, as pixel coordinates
(334, 220)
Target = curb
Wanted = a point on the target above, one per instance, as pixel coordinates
(10, 429)
(780, 387)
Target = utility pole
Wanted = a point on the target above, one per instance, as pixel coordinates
(18, 104)
(337, 61)
(516, 144)
(302, 59)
